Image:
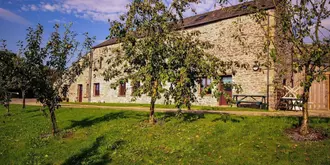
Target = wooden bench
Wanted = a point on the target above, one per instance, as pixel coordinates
(253, 100)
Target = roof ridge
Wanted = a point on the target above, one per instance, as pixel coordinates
(211, 16)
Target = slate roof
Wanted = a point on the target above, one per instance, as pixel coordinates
(214, 16)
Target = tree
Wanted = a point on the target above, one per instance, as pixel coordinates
(153, 53)
(188, 62)
(301, 27)
(7, 72)
(144, 60)
(50, 63)
(22, 78)
(306, 18)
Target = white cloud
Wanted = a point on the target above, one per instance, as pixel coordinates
(59, 21)
(49, 7)
(205, 6)
(100, 10)
(202, 7)
(12, 17)
(33, 7)
(29, 7)
(25, 8)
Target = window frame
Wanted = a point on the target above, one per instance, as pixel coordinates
(96, 90)
(100, 62)
(122, 90)
(203, 82)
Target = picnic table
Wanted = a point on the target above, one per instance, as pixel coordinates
(290, 99)
(292, 103)
(258, 100)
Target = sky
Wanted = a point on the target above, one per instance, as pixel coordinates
(86, 15)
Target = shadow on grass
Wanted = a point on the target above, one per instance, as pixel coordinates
(92, 155)
(227, 117)
(89, 121)
(319, 120)
(186, 117)
(31, 111)
(297, 121)
(191, 117)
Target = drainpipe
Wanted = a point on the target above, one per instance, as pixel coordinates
(90, 76)
(292, 76)
(268, 54)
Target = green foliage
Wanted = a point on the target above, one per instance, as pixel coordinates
(48, 67)
(123, 137)
(300, 27)
(146, 60)
(155, 54)
(7, 72)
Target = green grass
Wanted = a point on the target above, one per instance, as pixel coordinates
(194, 107)
(100, 136)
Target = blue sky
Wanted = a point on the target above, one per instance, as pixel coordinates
(87, 16)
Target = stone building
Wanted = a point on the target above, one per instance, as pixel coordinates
(220, 28)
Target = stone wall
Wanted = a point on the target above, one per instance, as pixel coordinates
(73, 89)
(227, 47)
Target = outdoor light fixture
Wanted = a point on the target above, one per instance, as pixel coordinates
(256, 66)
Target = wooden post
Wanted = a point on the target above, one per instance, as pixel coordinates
(328, 73)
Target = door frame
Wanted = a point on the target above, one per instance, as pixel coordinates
(220, 87)
(328, 77)
(80, 92)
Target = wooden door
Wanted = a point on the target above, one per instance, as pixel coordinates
(80, 92)
(329, 91)
(226, 88)
(319, 95)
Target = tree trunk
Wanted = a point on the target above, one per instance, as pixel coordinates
(7, 102)
(23, 97)
(304, 130)
(304, 125)
(152, 119)
(53, 118)
(7, 107)
(152, 111)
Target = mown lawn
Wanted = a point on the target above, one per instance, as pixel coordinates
(170, 106)
(100, 136)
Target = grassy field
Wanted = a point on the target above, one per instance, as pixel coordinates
(194, 107)
(100, 136)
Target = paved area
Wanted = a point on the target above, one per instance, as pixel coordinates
(314, 113)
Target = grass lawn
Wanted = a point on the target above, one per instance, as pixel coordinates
(194, 107)
(100, 136)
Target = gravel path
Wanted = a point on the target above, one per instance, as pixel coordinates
(314, 113)
(240, 113)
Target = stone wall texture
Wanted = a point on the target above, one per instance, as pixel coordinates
(223, 34)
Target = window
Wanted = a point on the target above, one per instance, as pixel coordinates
(122, 89)
(96, 89)
(227, 83)
(135, 87)
(101, 59)
(204, 83)
(226, 87)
